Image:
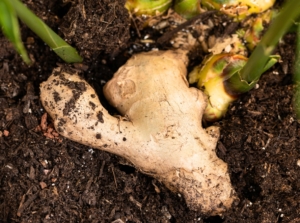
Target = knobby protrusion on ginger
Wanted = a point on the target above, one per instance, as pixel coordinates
(212, 76)
(162, 133)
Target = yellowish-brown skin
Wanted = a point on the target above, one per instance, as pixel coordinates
(161, 132)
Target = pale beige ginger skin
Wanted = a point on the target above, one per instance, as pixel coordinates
(160, 132)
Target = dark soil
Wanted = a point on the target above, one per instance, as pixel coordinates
(46, 178)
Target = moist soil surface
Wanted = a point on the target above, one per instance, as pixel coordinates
(47, 178)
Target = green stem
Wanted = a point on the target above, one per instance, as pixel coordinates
(252, 71)
(59, 46)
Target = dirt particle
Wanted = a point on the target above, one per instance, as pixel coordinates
(61, 122)
(56, 96)
(100, 117)
(43, 185)
(6, 133)
(91, 127)
(92, 105)
(98, 136)
(69, 106)
(46, 103)
(81, 86)
(56, 73)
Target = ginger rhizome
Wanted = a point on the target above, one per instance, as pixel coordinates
(160, 129)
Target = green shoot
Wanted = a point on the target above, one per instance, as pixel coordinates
(260, 56)
(235, 78)
(56, 43)
(10, 26)
(247, 77)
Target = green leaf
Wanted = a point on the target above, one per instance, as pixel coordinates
(67, 53)
(273, 59)
(60, 47)
(10, 27)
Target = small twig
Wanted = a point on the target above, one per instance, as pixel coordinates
(19, 147)
(23, 205)
(89, 183)
(112, 168)
(101, 169)
(267, 144)
(135, 26)
(168, 35)
(138, 204)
